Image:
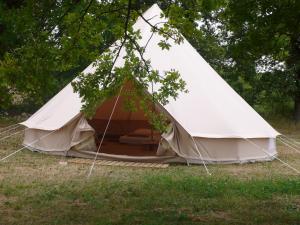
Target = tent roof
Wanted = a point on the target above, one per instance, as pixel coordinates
(211, 108)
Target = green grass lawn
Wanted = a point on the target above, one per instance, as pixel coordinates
(36, 189)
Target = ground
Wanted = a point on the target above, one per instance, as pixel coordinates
(37, 189)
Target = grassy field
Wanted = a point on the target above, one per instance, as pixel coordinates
(36, 189)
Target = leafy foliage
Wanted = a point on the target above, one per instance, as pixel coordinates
(253, 44)
(110, 77)
(262, 39)
(60, 38)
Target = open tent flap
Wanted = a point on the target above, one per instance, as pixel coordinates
(74, 133)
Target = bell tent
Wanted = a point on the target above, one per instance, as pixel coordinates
(210, 123)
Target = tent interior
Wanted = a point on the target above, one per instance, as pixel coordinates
(128, 131)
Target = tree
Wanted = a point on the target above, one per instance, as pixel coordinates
(43, 41)
(31, 56)
(262, 38)
(253, 44)
(136, 69)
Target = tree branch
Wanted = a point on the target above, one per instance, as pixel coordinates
(83, 15)
(125, 34)
(155, 28)
(127, 18)
(141, 53)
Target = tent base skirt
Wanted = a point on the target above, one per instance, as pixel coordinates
(150, 159)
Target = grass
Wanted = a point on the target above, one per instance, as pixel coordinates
(36, 189)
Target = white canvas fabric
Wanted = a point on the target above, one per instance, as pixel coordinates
(63, 139)
(210, 110)
(216, 150)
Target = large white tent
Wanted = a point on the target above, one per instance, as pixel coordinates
(210, 123)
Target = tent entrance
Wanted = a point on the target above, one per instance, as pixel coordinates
(133, 138)
(129, 132)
